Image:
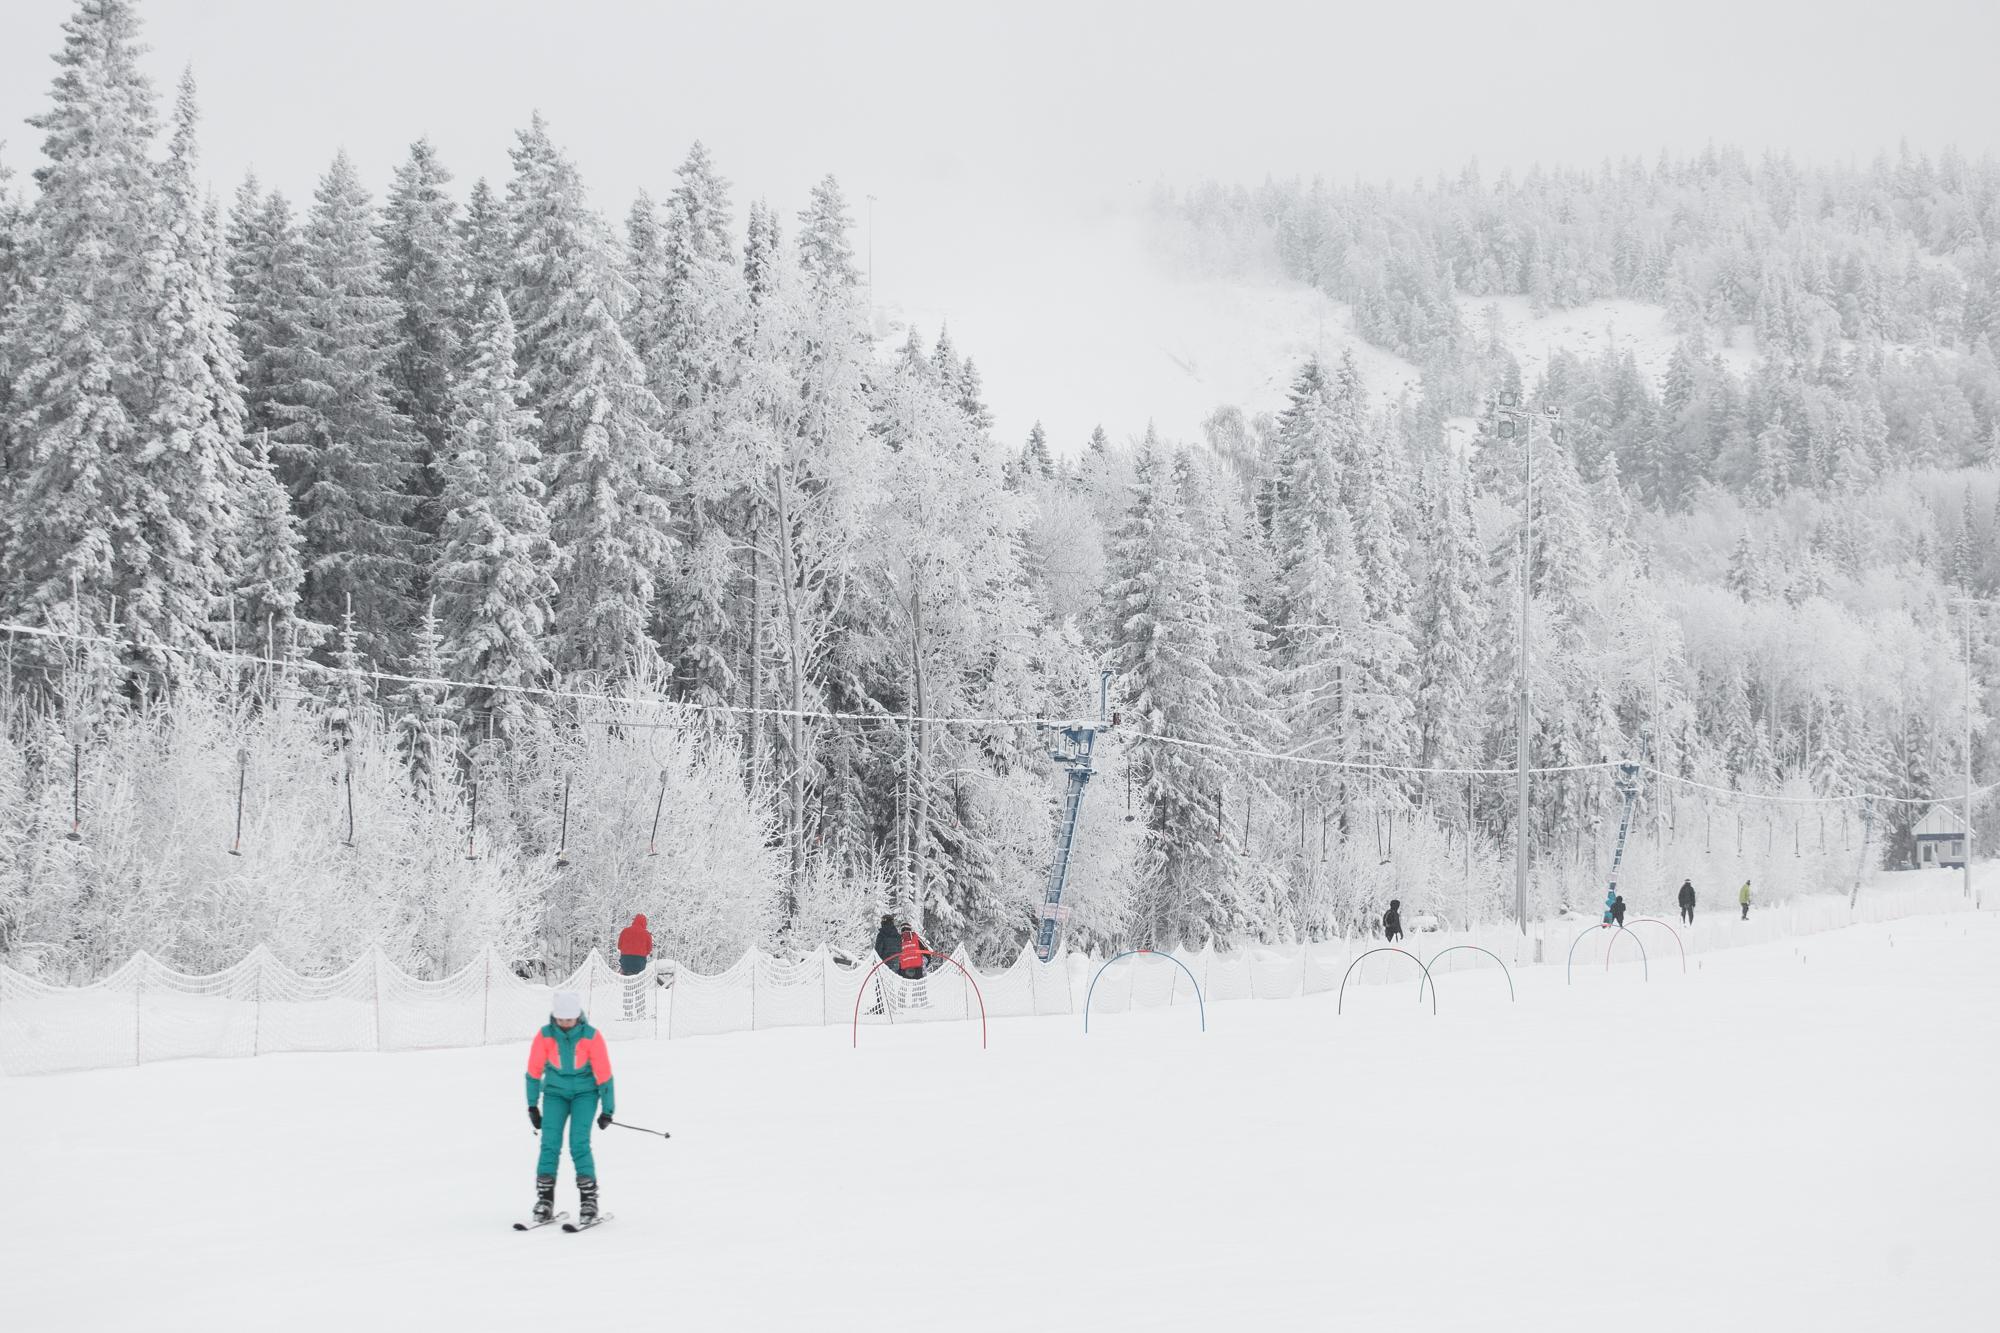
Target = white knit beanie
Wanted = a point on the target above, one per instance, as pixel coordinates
(568, 1004)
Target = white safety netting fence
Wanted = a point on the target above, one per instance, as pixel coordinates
(146, 1011)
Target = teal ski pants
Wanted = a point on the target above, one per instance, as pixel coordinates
(580, 1109)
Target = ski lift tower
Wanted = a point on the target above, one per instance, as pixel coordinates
(1078, 740)
(1627, 783)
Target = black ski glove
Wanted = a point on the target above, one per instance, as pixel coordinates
(535, 1116)
(604, 1121)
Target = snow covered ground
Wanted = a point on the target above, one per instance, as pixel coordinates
(1588, 330)
(1791, 1136)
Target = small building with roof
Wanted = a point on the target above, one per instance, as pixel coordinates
(1940, 839)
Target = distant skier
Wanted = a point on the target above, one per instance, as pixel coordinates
(1618, 909)
(1743, 899)
(569, 1079)
(635, 950)
(1687, 901)
(1610, 905)
(909, 953)
(1392, 921)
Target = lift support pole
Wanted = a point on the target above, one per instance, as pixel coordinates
(1079, 739)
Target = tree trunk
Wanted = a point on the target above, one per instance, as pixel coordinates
(795, 668)
(754, 724)
(920, 794)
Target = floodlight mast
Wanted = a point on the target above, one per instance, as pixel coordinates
(1971, 604)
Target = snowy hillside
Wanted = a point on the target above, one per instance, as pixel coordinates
(1080, 325)
(1138, 341)
(1588, 331)
(1693, 1151)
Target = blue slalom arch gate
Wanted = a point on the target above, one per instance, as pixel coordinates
(1201, 1005)
(1431, 982)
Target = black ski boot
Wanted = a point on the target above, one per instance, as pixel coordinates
(545, 1198)
(586, 1193)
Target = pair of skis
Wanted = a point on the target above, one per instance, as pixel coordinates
(601, 1218)
(567, 1225)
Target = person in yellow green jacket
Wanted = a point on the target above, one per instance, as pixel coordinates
(569, 1080)
(1743, 899)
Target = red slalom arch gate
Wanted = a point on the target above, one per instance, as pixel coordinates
(1655, 921)
(928, 953)
(1645, 966)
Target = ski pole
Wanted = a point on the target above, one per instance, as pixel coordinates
(620, 1124)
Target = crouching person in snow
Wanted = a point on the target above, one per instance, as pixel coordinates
(569, 1079)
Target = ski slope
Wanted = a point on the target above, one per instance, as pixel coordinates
(1077, 323)
(1793, 1135)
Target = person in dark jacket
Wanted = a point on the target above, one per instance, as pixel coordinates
(887, 939)
(635, 951)
(1687, 901)
(909, 953)
(1618, 910)
(1392, 921)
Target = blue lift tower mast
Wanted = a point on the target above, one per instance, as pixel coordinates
(1079, 739)
(1627, 783)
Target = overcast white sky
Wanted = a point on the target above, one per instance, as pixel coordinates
(989, 125)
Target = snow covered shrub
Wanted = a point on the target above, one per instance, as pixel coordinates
(710, 889)
(313, 882)
(838, 905)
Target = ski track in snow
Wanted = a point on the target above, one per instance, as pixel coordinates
(1792, 1136)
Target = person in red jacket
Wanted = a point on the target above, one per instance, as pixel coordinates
(910, 954)
(635, 951)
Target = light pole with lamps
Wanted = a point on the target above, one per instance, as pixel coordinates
(1965, 868)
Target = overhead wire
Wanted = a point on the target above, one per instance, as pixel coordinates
(694, 708)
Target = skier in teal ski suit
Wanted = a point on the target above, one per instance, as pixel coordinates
(569, 1079)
